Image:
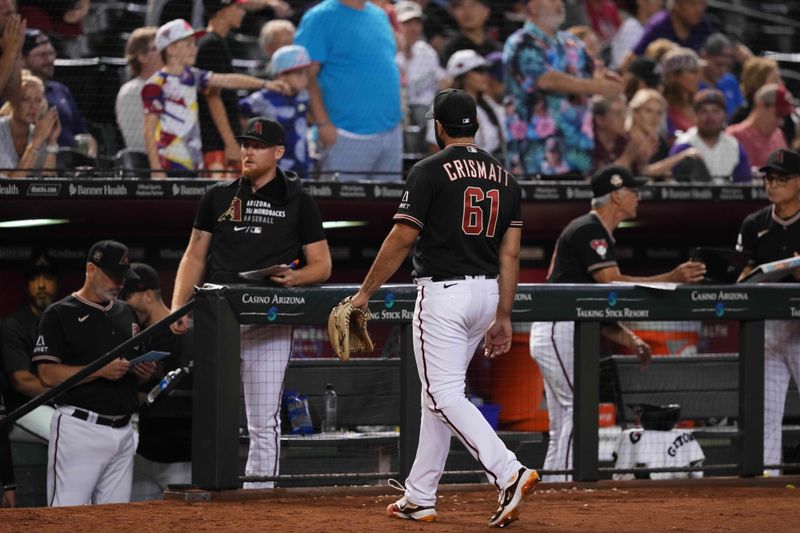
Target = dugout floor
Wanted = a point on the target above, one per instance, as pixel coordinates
(705, 505)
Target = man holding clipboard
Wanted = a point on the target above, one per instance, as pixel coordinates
(260, 221)
(768, 235)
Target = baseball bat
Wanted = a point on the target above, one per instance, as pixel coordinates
(97, 364)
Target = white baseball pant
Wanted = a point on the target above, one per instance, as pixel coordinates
(450, 320)
(781, 360)
(87, 462)
(265, 352)
(551, 345)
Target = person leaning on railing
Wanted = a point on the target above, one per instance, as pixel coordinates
(28, 131)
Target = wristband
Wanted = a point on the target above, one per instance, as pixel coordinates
(52, 148)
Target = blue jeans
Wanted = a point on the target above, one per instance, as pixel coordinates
(364, 157)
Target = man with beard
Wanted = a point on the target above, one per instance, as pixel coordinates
(549, 77)
(260, 220)
(724, 157)
(92, 441)
(17, 337)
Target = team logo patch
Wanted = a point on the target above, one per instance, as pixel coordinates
(125, 261)
(233, 213)
(256, 129)
(97, 256)
(600, 246)
(616, 181)
(135, 329)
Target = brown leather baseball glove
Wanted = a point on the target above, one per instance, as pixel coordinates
(347, 330)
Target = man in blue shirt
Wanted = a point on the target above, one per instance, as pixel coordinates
(354, 89)
(718, 54)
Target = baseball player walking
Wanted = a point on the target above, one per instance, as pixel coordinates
(92, 443)
(262, 219)
(462, 209)
(585, 254)
(770, 234)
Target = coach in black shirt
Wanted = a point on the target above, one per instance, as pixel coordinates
(262, 219)
(92, 443)
(585, 253)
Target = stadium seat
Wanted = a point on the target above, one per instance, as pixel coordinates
(131, 164)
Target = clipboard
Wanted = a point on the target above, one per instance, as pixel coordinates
(774, 271)
(152, 355)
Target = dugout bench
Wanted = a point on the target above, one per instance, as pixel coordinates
(707, 389)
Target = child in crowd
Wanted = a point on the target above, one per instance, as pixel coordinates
(290, 65)
(171, 125)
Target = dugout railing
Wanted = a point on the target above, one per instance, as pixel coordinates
(220, 310)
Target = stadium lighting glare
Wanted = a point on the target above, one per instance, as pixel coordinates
(630, 224)
(335, 224)
(32, 222)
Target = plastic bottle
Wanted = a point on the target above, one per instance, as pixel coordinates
(299, 416)
(329, 423)
(170, 377)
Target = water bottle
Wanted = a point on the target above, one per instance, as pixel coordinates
(329, 423)
(170, 377)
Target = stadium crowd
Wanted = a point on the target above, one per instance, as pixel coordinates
(563, 88)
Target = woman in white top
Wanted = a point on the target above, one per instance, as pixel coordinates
(470, 72)
(632, 28)
(28, 131)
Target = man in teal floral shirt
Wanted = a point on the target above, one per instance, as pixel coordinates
(549, 77)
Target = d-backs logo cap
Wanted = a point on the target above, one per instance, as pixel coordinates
(264, 130)
(112, 258)
(784, 162)
(613, 178)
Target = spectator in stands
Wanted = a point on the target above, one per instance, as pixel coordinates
(290, 65)
(604, 20)
(28, 131)
(641, 74)
(358, 124)
(12, 35)
(659, 48)
(683, 22)
(62, 20)
(631, 147)
(470, 73)
(219, 112)
(420, 72)
(143, 61)
(632, 28)
(723, 156)
(756, 72)
(760, 133)
(164, 453)
(171, 127)
(591, 43)
(471, 17)
(646, 112)
(8, 483)
(274, 34)
(548, 77)
(716, 73)
(39, 57)
(497, 87)
(17, 339)
(439, 26)
(680, 70)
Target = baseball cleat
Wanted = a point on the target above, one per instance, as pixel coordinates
(511, 496)
(406, 510)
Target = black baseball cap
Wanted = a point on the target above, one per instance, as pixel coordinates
(454, 108)
(263, 129)
(42, 265)
(646, 70)
(613, 178)
(709, 96)
(33, 38)
(148, 280)
(112, 258)
(782, 161)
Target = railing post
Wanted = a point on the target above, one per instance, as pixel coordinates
(410, 395)
(215, 416)
(586, 388)
(751, 397)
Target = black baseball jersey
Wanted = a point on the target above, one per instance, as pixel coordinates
(74, 331)
(165, 426)
(462, 200)
(585, 246)
(253, 230)
(765, 237)
(17, 335)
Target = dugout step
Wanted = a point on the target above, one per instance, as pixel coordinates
(186, 493)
